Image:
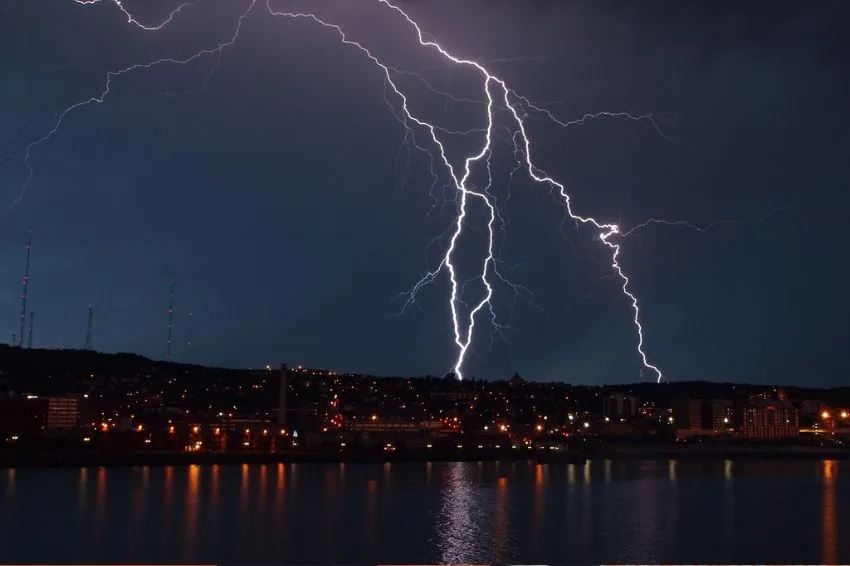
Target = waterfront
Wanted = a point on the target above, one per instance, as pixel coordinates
(658, 510)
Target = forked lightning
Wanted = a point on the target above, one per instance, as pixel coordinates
(497, 96)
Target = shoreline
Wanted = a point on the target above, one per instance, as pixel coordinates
(9, 460)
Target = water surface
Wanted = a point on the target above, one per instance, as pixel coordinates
(653, 511)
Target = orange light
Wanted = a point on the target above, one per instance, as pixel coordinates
(195, 429)
(140, 428)
(218, 431)
(265, 432)
(824, 415)
(171, 430)
(844, 414)
(374, 417)
(539, 427)
(247, 431)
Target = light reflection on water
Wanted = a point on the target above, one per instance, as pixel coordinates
(829, 529)
(498, 513)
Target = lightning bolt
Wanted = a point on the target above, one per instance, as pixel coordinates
(707, 227)
(496, 96)
(112, 75)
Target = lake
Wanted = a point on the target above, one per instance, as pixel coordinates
(629, 511)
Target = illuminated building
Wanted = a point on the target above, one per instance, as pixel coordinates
(62, 412)
(768, 420)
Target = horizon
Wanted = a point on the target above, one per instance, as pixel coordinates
(274, 368)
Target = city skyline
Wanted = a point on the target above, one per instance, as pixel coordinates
(311, 273)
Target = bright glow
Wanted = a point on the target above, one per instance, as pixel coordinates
(498, 97)
(586, 425)
(825, 415)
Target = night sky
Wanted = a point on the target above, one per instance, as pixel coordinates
(276, 190)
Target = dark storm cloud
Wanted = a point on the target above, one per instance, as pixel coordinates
(275, 196)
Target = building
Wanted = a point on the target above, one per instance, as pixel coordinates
(62, 413)
(619, 406)
(768, 420)
(702, 417)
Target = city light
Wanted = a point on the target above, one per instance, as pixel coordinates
(824, 415)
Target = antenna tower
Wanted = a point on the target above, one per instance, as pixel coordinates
(189, 339)
(64, 329)
(24, 293)
(29, 338)
(170, 319)
(88, 329)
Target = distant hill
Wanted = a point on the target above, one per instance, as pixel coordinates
(50, 371)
